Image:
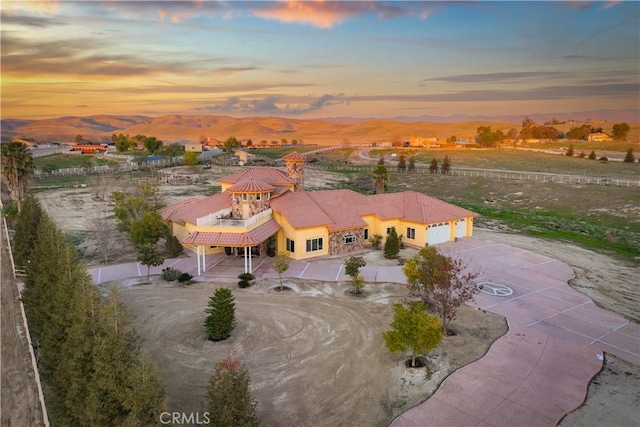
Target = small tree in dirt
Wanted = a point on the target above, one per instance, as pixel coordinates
(439, 282)
(412, 329)
(352, 268)
(629, 157)
(246, 280)
(446, 165)
(222, 315)
(280, 264)
(381, 160)
(376, 241)
(570, 151)
(402, 163)
(592, 155)
(147, 255)
(392, 244)
(173, 246)
(582, 155)
(229, 398)
(412, 164)
(433, 167)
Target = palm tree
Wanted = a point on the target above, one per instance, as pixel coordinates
(380, 177)
(17, 167)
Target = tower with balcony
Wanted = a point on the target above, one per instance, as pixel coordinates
(249, 197)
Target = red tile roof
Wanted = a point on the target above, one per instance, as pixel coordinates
(251, 238)
(294, 157)
(191, 209)
(251, 186)
(265, 174)
(343, 209)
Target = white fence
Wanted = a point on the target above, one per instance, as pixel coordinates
(492, 174)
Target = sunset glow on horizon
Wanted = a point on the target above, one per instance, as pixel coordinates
(318, 59)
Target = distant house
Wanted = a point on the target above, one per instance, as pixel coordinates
(193, 147)
(598, 136)
(424, 141)
(263, 211)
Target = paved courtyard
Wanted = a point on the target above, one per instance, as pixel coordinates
(533, 375)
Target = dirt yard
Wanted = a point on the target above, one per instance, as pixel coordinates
(315, 353)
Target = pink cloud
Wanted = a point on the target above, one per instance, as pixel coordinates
(317, 13)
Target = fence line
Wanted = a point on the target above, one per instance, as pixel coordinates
(523, 176)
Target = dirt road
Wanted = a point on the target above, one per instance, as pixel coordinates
(20, 405)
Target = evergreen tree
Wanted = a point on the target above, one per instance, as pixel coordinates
(412, 329)
(592, 155)
(381, 160)
(446, 165)
(433, 167)
(402, 163)
(412, 164)
(25, 228)
(570, 151)
(229, 399)
(392, 244)
(629, 157)
(221, 320)
(173, 246)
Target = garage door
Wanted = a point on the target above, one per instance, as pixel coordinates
(461, 228)
(438, 233)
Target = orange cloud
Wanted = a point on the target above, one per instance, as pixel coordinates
(318, 13)
(37, 6)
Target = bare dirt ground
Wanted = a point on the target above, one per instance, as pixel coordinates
(19, 402)
(315, 353)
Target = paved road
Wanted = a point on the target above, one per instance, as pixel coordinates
(534, 375)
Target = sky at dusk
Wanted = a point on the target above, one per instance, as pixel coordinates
(318, 59)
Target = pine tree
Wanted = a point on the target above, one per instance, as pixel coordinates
(412, 164)
(592, 155)
(221, 320)
(402, 163)
(392, 244)
(629, 157)
(229, 399)
(433, 167)
(446, 165)
(570, 151)
(25, 230)
(173, 246)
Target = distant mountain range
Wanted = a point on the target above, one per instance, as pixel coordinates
(337, 130)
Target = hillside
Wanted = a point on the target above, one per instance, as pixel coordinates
(192, 127)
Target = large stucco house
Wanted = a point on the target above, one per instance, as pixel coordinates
(263, 211)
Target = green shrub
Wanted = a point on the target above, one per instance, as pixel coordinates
(376, 240)
(185, 277)
(170, 274)
(173, 245)
(246, 280)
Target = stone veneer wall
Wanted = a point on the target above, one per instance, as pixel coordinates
(295, 171)
(254, 206)
(337, 245)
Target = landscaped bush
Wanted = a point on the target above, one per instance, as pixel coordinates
(185, 277)
(246, 280)
(376, 241)
(170, 274)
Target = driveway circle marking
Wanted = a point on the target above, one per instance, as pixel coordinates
(494, 289)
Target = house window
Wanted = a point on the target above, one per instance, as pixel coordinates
(212, 247)
(244, 197)
(411, 233)
(314, 244)
(258, 196)
(268, 196)
(349, 238)
(290, 245)
(389, 230)
(366, 234)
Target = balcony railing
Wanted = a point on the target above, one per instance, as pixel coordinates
(217, 219)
